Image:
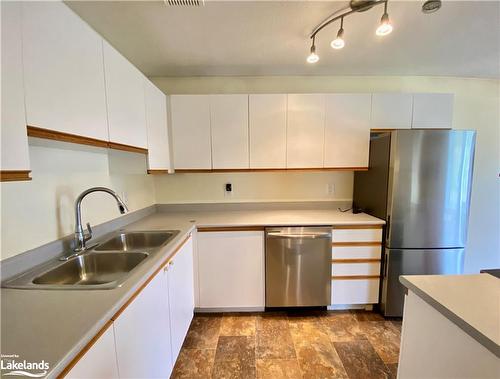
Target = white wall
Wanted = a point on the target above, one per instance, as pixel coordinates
(42, 210)
(476, 107)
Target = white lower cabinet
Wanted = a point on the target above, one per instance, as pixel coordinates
(99, 362)
(231, 269)
(142, 333)
(355, 291)
(181, 295)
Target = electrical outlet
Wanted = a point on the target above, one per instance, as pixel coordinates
(330, 189)
(228, 189)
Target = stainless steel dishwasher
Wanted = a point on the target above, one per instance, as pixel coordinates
(298, 266)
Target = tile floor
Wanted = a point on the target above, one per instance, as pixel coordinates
(309, 345)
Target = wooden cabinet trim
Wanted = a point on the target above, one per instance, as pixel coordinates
(373, 243)
(34, 131)
(215, 170)
(231, 229)
(356, 260)
(14, 175)
(378, 226)
(355, 277)
(121, 146)
(86, 348)
(157, 172)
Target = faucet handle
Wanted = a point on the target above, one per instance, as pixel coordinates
(89, 234)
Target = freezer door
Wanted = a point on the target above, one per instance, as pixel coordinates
(414, 262)
(430, 173)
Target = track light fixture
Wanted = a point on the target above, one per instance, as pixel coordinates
(385, 26)
(355, 6)
(313, 57)
(339, 43)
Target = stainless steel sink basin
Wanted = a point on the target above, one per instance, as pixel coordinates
(134, 241)
(92, 269)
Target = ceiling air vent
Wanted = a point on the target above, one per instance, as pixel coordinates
(185, 3)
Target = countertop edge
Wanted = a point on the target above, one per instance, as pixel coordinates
(453, 317)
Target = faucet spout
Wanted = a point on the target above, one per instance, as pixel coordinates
(80, 236)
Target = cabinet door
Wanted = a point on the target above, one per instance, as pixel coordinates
(347, 130)
(267, 129)
(14, 141)
(125, 100)
(391, 110)
(231, 269)
(305, 130)
(229, 125)
(142, 333)
(99, 362)
(63, 71)
(191, 131)
(432, 111)
(156, 118)
(181, 295)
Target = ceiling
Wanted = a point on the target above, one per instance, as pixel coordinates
(272, 38)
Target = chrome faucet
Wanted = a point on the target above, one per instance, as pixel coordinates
(81, 237)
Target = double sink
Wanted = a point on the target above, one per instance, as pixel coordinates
(105, 266)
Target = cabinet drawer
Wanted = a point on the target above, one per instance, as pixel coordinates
(356, 252)
(355, 291)
(353, 269)
(357, 235)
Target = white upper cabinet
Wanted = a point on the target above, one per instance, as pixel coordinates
(157, 127)
(267, 128)
(229, 125)
(191, 143)
(432, 110)
(347, 130)
(391, 110)
(14, 141)
(63, 71)
(125, 99)
(181, 295)
(305, 130)
(99, 362)
(142, 333)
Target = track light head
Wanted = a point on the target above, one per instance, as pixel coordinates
(339, 43)
(313, 57)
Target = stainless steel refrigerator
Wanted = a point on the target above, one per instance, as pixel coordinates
(419, 182)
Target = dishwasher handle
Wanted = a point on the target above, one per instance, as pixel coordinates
(305, 235)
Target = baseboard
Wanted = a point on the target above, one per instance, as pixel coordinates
(338, 307)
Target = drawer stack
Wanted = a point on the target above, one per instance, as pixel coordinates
(356, 259)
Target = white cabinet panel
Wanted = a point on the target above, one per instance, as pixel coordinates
(357, 235)
(181, 295)
(156, 118)
(99, 362)
(229, 125)
(142, 333)
(355, 291)
(347, 130)
(14, 141)
(305, 130)
(356, 252)
(63, 71)
(354, 269)
(391, 110)
(267, 128)
(125, 100)
(231, 269)
(191, 131)
(432, 110)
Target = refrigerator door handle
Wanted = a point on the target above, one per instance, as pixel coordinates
(387, 227)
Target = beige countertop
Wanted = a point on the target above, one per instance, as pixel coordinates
(470, 301)
(54, 325)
